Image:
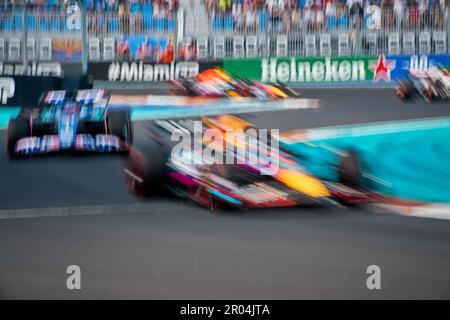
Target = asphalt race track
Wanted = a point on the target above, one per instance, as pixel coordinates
(168, 248)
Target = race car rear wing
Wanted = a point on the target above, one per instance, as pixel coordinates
(89, 96)
(54, 97)
(81, 96)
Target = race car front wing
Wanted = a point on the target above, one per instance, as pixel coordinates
(100, 143)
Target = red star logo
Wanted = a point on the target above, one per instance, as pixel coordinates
(382, 68)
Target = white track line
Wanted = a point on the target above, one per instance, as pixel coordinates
(365, 129)
(375, 128)
(80, 210)
(430, 211)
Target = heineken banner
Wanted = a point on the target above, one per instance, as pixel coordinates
(332, 69)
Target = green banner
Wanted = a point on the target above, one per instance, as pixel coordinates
(307, 70)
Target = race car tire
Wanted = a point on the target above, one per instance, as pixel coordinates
(189, 91)
(406, 91)
(402, 93)
(290, 92)
(119, 124)
(349, 169)
(184, 88)
(18, 128)
(429, 95)
(204, 199)
(148, 164)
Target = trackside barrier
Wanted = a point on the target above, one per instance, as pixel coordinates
(334, 71)
(25, 91)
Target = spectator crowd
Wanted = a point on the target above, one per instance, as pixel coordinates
(289, 15)
(247, 16)
(103, 16)
(123, 6)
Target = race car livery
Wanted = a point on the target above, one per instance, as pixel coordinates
(235, 183)
(217, 83)
(431, 84)
(70, 121)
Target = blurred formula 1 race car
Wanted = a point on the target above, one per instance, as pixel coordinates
(69, 121)
(238, 183)
(431, 84)
(217, 83)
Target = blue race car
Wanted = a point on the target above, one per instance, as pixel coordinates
(70, 121)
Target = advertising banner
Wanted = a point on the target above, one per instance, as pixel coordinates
(144, 48)
(41, 69)
(24, 91)
(147, 72)
(417, 62)
(326, 69)
(333, 69)
(66, 49)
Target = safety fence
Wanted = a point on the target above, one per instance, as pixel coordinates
(296, 21)
(322, 44)
(100, 24)
(41, 35)
(257, 33)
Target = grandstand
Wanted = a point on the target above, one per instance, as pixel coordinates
(219, 29)
(316, 27)
(103, 17)
(327, 15)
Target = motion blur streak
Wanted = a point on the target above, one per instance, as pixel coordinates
(178, 250)
(75, 210)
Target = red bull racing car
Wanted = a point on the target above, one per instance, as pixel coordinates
(217, 83)
(220, 171)
(432, 84)
(67, 122)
